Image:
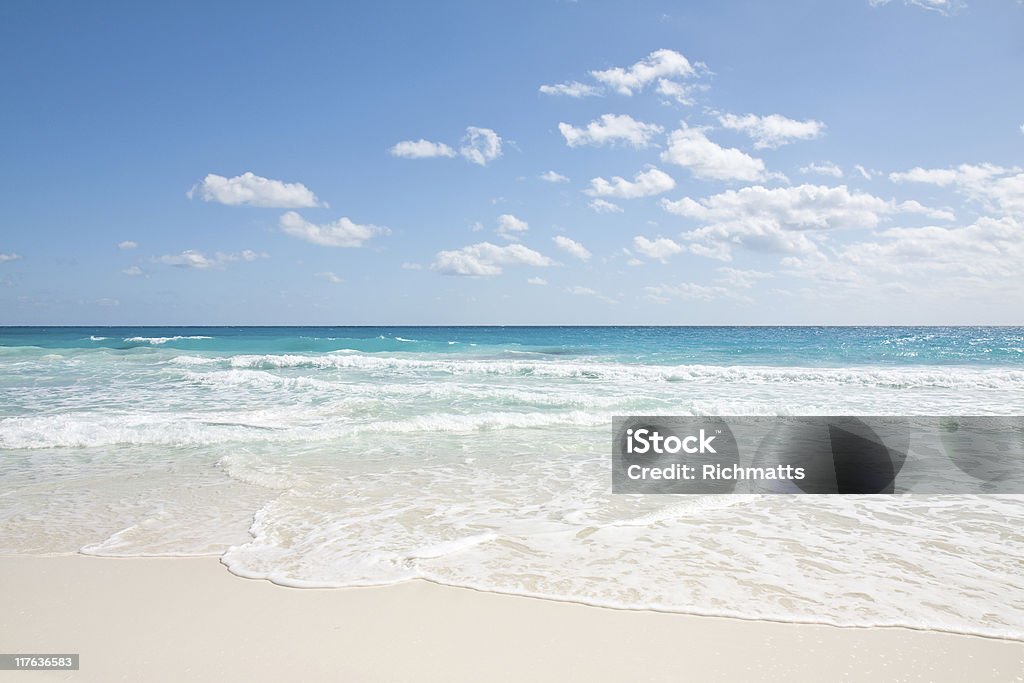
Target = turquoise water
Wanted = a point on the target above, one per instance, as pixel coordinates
(479, 456)
(780, 346)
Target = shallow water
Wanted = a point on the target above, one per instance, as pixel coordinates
(480, 457)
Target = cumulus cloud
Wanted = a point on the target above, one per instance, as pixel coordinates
(659, 249)
(4, 258)
(485, 258)
(249, 189)
(988, 247)
(683, 94)
(666, 67)
(571, 89)
(539, 281)
(190, 258)
(644, 184)
(510, 227)
(803, 207)
(341, 233)
(776, 219)
(998, 188)
(981, 259)
(611, 129)
(127, 244)
(823, 168)
(553, 177)
(421, 149)
(774, 130)
(691, 148)
(580, 291)
(571, 247)
(480, 146)
(134, 271)
(603, 206)
(660, 64)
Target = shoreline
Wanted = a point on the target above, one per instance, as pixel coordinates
(168, 619)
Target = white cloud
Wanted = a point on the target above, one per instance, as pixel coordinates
(823, 168)
(940, 176)
(988, 247)
(683, 94)
(659, 64)
(127, 244)
(581, 291)
(134, 271)
(644, 184)
(509, 226)
(690, 147)
(775, 219)
(691, 291)
(4, 258)
(480, 146)
(998, 188)
(571, 247)
(659, 249)
(421, 149)
(252, 190)
(411, 266)
(865, 173)
(539, 281)
(938, 263)
(602, 206)
(571, 89)
(610, 129)
(803, 207)
(190, 258)
(341, 233)
(487, 259)
(914, 206)
(553, 177)
(330, 277)
(774, 130)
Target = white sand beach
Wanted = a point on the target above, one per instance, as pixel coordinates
(177, 619)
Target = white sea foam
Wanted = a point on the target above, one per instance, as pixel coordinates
(352, 468)
(87, 430)
(893, 378)
(162, 340)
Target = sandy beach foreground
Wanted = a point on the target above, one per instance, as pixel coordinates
(174, 619)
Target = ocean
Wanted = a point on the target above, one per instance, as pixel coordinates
(480, 457)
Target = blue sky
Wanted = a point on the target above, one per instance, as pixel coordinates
(845, 162)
